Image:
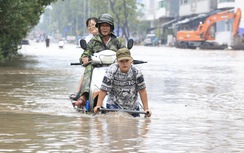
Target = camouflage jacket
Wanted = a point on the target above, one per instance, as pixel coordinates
(96, 45)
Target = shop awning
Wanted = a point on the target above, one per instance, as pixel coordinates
(184, 21)
(166, 24)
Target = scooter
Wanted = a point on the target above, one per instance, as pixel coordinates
(101, 61)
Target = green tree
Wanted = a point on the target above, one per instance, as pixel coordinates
(72, 14)
(17, 18)
(126, 16)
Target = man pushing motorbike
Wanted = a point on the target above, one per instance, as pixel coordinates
(123, 81)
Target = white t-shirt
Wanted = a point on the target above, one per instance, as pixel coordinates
(88, 38)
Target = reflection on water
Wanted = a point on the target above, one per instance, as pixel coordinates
(196, 98)
(40, 132)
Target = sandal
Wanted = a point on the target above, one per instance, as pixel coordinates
(81, 102)
(74, 96)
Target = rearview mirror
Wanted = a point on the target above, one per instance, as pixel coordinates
(83, 44)
(130, 43)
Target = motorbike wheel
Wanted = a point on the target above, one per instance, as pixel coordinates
(183, 45)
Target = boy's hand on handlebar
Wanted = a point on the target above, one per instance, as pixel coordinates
(96, 109)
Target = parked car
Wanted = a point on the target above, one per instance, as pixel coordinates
(151, 40)
(25, 42)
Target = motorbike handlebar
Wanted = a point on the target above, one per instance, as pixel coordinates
(134, 62)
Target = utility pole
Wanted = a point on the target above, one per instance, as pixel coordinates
(108, 6)
(84, 16)
(89, 3)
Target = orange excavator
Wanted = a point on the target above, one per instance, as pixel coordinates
(204, 37)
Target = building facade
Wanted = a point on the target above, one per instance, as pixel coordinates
(190, 7)
(160, 12)
(169, 16)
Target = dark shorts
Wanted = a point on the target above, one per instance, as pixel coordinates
(113, 106)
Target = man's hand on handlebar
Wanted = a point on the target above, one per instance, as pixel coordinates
(85, 60)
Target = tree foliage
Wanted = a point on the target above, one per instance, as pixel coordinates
(17, 18)
(70, 16)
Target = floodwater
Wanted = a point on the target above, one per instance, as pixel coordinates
(196, 98)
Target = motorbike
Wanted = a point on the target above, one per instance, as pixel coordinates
(101, 61)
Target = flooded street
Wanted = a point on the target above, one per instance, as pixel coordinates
(196, 98)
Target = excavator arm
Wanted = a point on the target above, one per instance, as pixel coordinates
(204, 28)
(193, 39)
(236, 22)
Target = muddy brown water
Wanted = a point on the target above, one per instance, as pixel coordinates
(196, 98)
